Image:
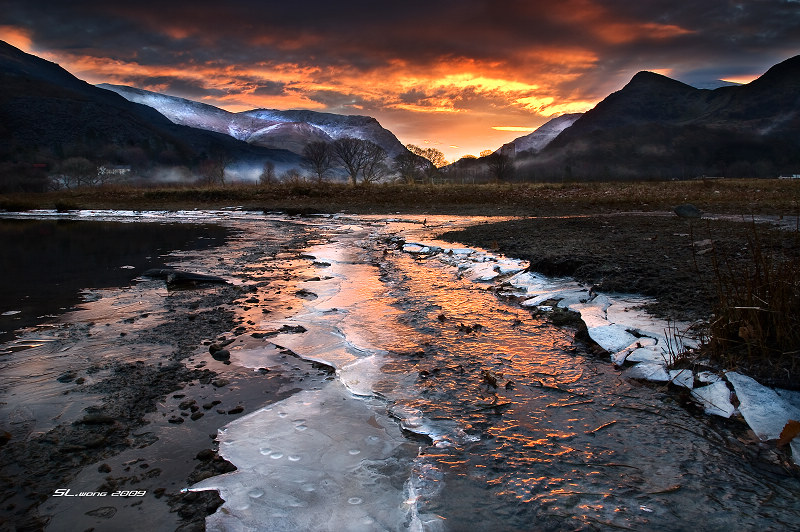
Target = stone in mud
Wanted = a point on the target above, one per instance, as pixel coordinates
(236, 410)
(222, 354)
(205, 455)
(96, 419)
(220, 383)
(67, 377)
(196, 416)
(688, 210)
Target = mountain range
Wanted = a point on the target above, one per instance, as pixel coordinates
(654, 127)
(47, 114)
(290, 130)
(657, 127)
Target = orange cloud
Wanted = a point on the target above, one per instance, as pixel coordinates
(17, 37)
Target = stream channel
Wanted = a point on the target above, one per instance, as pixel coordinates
(452, 408)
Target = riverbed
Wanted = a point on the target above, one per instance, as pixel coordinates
(381, 388)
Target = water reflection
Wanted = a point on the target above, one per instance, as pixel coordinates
(45, 263)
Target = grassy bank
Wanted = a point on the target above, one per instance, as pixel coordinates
(720, 196)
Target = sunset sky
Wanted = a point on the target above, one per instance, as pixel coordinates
(460, 75)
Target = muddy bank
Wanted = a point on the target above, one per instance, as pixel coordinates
(124, 396)
(657, 255)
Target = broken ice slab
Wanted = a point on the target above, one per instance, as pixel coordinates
(318, 460)
(416, 249)
(682, 377)
(715, 399)
(648, 371)
(763, 409)
(611, 337)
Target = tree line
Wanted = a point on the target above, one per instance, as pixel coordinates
(362, 161)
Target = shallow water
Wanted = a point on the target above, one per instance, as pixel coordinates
(514, 426)
(455, 409)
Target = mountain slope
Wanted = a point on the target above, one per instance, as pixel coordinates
(656, 127)
(543, 135)
(272, 128)
(48, 114)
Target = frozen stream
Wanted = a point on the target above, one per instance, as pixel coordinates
(452, 407)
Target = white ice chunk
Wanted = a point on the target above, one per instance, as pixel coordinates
(708, 377)
(763, 409)
(415, 248)
(648, 371)
(682, 377)
(715, 399)
(612, 337)
(361, 375)
(507, 266)
(482, 272)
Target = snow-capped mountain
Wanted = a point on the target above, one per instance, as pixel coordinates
(543, 135)
(270, 128)
(47, 112)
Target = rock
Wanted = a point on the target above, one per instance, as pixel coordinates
(222, 354)
(219, 383)
(688, 210)
(67, 377)
(175, 419)
(196, 416)
(5, 437)
(236, 410)
(97, 419)
(206, 455)
(104, 468)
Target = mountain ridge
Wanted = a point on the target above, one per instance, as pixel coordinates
(658, 127)
(297, 126)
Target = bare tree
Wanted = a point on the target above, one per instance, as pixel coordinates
(212, 171)
(349, 152)
(373, 162)
(267, 176)
(501, 167)
(318, 159)
(76, 172)
(435, 156)
(408, 165)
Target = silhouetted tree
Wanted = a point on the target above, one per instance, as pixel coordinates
(267, 176)
(408, 165)
(501, 167)
(349, 152)
(318, 159)
(373, 162)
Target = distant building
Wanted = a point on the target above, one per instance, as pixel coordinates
(111, 170)
(792, 176)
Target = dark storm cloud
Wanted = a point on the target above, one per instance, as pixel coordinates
(269, 88)
(186, 88)
(367, 35)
